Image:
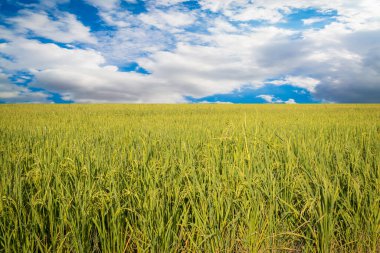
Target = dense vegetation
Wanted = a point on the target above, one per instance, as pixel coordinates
(189, 178)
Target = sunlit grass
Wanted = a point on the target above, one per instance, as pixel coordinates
(189, 178)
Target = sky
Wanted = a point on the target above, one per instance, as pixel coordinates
(192, 51)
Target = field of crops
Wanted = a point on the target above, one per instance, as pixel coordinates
(190, 178)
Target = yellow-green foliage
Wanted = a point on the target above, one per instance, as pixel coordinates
(189, 178)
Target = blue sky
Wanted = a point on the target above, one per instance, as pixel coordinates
(197, 51)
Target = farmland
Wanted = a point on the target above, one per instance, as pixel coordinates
(190, 178)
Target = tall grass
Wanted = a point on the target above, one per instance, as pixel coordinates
(189, 178)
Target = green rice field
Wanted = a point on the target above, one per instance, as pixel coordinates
(190, 178)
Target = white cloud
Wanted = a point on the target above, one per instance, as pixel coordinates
(82, 75)
(231, 61)
(356, 14)
(338, 62)
(66, 28)
(221, 5)
(52, 3)
(167, 2)
(106, 85)
(166, 19)
(120, 47)
(6, 34)
(199, 70)
(273, 100)
(187, 71)
(290, 101)
(258, 13)
(107, 5)
(307, 83)
(34, 55)
(104, 4)
(222, 26)
(267, 98)
(310, 21)
(12, 93)
(119, 19)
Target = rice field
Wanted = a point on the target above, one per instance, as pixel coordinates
(190, 178)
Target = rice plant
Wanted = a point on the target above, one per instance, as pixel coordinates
(189, 178)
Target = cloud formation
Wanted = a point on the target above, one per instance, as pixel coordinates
(193, 49)
(15, 94)
(273, 100)
(65, 27)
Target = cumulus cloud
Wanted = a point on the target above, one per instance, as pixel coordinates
(273, 100)
(310, 21)
(106, 85)
(354, 13)
(167, 19)
(66, 28)
(107, 5)
(198, 54)
(267, 98)
(81, 75)
(34, 56)
(119, 47)
(298, 81)
(52, 3)
(12, 93)
(290, 101)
